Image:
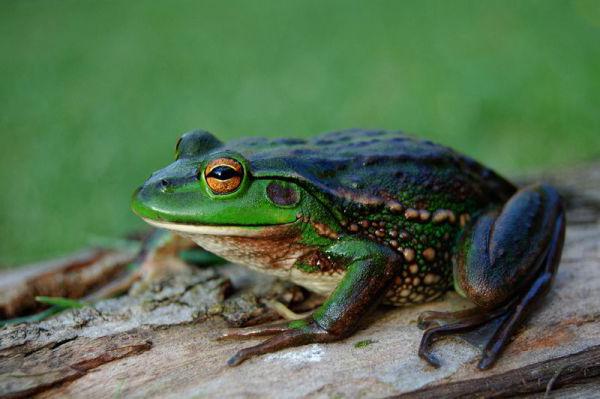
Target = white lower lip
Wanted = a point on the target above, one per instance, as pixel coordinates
(231, 231)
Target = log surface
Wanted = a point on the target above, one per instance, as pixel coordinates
(160, 342)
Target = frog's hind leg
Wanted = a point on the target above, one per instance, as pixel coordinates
(505, 263)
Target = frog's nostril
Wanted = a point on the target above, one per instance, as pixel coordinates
(164, 184)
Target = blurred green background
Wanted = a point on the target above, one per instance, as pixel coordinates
(93, 95)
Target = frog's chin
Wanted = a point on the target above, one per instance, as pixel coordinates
(223, 230)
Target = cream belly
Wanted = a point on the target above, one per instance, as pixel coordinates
(271, 249)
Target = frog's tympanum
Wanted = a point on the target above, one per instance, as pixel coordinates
(364, 217)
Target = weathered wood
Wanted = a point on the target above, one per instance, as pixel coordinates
(65, 361)
(70, 277)
(160, 342)
(546, 376)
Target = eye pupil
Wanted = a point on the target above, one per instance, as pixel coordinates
(223, 172)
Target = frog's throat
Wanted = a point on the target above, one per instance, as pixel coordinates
(271, 249)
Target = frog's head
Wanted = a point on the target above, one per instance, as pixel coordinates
(211, 185)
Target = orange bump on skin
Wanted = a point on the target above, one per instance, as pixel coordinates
(394, 206)
(324, 230)
(380, 233)
(414, 268)
(431, 278)
(304, 219)
(411, 213)
(405, 293)
(429, 254)
(394, 243)
(364, 223)
(416, 281)
(353, 227)
(424, 215)
(409, 254)
(440, 216)
(418, 298)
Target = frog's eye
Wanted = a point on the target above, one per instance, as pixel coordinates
(224, 175)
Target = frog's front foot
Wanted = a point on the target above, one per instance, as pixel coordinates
(505, 263)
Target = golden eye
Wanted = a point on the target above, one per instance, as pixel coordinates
(223, 175)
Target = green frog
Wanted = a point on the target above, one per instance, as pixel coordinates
(364, 217)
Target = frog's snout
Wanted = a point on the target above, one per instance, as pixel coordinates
(137, 201)
(160, 198)
(143, 200)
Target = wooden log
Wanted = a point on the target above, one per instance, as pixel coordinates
(160, 342)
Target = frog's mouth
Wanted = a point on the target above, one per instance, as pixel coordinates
(224, 230)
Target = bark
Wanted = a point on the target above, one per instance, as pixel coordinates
(159, 341)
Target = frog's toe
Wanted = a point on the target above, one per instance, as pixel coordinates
(255, 331)
(428, 319)
(429, 358)
(311, 333)
(431, 318)
(285, 312)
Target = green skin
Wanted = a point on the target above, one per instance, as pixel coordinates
(379, 216)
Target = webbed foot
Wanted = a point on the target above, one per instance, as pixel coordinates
(454, 323)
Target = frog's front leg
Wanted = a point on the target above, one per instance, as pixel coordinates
(369, 273)
(505, 262)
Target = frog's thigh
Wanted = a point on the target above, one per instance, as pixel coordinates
(505, 250)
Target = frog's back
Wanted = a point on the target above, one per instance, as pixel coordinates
(375, 167)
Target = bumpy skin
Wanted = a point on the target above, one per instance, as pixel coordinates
(377, 215)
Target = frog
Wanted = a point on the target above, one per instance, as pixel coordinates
(364, 217)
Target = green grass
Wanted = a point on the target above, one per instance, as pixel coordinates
(93, 95)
